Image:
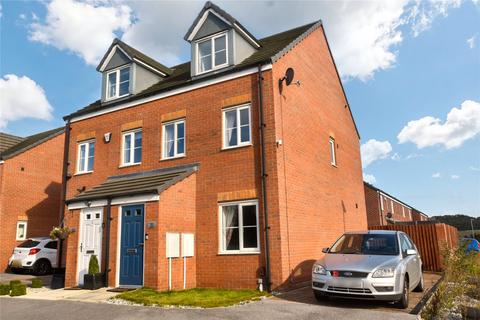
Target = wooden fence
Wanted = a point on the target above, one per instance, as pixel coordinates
(429, 238)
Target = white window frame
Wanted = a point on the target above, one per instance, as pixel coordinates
(175, 138)
(87, 155)
(132, 147)
(25, 234)
(117, 85)
(212, 48)
(333, 154)
(221, 243)
(239, 131)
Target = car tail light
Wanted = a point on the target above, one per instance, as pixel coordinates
(33, 251)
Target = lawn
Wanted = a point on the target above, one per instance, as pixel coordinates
(203, 298)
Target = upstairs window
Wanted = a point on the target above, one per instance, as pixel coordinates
(118, 83)
(132, 147)
(236, 127)
(86, 155)
(333, 156)
(173, 139)
(212, 53)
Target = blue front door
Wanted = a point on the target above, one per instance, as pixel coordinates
(131, 246)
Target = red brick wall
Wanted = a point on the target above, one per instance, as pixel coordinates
(220, 170)
(30, 186)
(317, 201)
(372, 202)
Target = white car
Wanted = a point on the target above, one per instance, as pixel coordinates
(36, 254)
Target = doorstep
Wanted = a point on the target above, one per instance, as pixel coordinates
(97, 296)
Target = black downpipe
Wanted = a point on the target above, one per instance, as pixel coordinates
(63, 194)
(107, 241)
(264, 180)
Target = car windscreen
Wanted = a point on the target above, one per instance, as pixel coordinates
(368, 244)
(29, 244)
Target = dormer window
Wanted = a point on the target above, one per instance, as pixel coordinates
(118, 83)
(212, 53)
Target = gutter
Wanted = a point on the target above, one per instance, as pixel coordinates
(264, 179)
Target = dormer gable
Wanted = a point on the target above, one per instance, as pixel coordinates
(127, 71)
(218, 41)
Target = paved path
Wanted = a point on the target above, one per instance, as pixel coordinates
(26, 309)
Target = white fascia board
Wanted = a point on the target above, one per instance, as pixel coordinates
(115, 201)
(110, 55)
(173, 92)
(83, 204)
(238, 28)
(149, 67)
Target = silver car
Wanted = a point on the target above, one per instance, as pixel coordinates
(374, 265)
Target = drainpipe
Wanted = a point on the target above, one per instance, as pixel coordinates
(63, 193)
(264, 179)
(107, 241)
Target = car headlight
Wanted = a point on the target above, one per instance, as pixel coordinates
(386, 272)
(319, 269)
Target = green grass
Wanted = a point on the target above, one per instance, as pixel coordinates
(37, 283)
(203, 298)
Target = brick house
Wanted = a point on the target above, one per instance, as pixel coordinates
(383, 208)
(30, 187)
(176, 172)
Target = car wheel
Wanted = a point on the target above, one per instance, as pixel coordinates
(41, 268)
(420, 286)
(319, 296)
(403, 302)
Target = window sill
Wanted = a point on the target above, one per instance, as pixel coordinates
(236, 147)
(236, 253)
(174, 158)
(82, 173)
(129, 165)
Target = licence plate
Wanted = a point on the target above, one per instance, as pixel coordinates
(16, 264)
(349, 283)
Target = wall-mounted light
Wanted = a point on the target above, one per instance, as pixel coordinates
(107, 136)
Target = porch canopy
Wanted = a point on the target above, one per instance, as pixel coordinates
(141, 183)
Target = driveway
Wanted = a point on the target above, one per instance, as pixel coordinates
(20, 309)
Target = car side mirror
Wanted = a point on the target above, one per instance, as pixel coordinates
(325, 250)
(411, 252)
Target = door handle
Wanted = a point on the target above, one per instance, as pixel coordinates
(81, 247)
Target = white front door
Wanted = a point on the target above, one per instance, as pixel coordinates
(90, 239)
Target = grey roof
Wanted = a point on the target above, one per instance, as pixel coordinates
(225, 15)
(147, 182)
(134, 53)
(8, 140)
(30, 142)
(270, 47)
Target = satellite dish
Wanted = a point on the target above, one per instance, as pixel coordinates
(289, 76)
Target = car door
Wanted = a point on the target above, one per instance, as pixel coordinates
(51, 252)
(410, 261)
(417, 260)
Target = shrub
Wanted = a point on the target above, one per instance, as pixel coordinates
(4, 289)
(14, 283)
(93, 267)
(37, 283)
(18, 290)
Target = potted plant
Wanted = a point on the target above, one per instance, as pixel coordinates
(60, 233)
(93, 280)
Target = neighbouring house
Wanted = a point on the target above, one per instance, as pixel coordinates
(383, 208)
(30, 187)
(225, 171)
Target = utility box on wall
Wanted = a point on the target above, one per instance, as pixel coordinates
(173, 245)
(188, 245)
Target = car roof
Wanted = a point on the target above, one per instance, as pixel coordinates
(373, 232)
(39, 238)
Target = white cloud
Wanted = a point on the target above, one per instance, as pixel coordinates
(363, 35)
(461, 124)
(454, 176)
(86, 29)
(369, 178)
(374, 150)
(423, 13)
(436, 175)
(471, 41)
(21, 97)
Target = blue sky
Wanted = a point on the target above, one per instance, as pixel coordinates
(405, 65)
